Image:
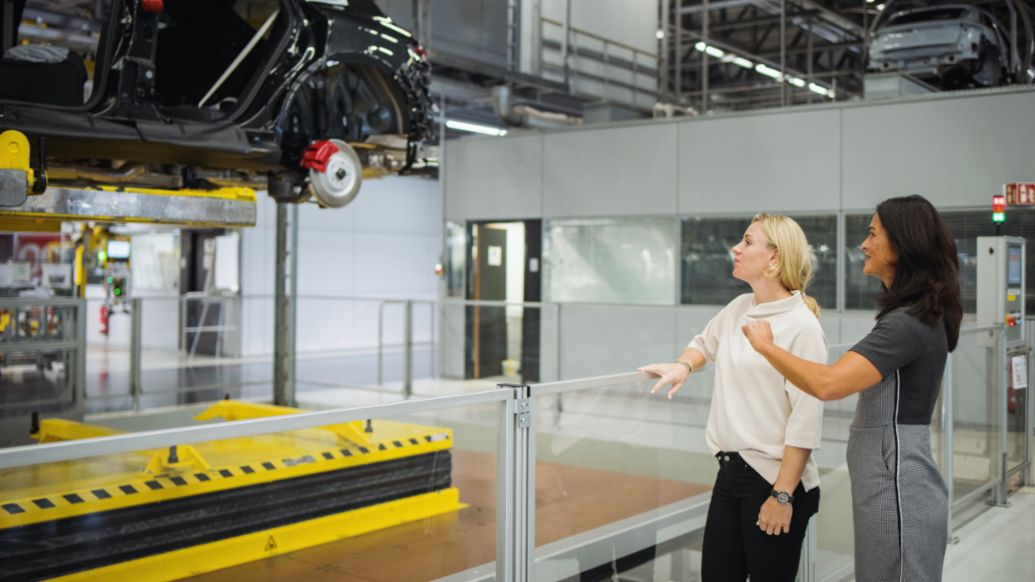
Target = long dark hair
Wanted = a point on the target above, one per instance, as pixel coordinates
(927, 274)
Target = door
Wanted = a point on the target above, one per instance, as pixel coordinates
(487, 325)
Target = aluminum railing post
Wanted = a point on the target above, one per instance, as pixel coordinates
(408, 349)
(135, 349)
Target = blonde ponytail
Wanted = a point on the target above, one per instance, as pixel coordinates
(811, 303)
(797, 261)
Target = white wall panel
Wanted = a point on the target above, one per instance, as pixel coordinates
(395, 265)
(493, 177)
(956, 152)
(326, 263)
(409, 205)
(781, 162)
(610, 172)
(313, 218)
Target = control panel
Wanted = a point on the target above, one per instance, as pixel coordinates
(1001, 285)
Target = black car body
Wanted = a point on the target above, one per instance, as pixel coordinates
(158, 115)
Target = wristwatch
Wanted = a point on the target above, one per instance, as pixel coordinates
(782, 497)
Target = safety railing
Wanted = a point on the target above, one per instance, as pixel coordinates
(407, 306)
(594, 66)
(159, 465)
(635, 464)
(42, 350)
(223, 309)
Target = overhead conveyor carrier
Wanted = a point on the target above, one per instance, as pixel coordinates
(190, 509)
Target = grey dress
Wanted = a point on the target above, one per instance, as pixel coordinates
(899, 500)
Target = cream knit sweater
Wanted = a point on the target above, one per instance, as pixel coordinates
(755, 411)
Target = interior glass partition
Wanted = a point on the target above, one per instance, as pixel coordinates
(622, 479)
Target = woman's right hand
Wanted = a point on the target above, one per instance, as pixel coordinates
(670, 373)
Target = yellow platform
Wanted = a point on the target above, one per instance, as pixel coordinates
(76, 489)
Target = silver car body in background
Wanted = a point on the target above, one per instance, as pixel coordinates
(957, 44)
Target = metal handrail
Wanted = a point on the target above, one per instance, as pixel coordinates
(407, 340)
(602, 39)
(159, 439)
(39, 301)
(585, 383)
(570, 46)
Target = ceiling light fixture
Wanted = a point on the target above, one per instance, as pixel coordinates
(475, 128)
(768, 71)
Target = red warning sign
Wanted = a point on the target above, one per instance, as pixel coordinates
(1019, 193)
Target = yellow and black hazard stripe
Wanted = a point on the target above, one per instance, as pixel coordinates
(21, 511)
(388, 492)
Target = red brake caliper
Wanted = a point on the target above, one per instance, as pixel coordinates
(318, 154)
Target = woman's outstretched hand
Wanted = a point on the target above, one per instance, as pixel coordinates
(670, 373)
(759, 334)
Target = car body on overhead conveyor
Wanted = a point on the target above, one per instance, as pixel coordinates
(297, 97)
(955, 45)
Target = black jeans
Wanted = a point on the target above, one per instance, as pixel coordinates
(734, 547)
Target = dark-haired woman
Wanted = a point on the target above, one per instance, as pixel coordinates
(899, 499)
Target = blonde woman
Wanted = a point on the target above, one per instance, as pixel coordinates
(761, 428)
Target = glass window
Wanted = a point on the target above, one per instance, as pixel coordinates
(822, 234)
(860, 290)
(966, 226)
(610, 261)
(708, 263)
(456, 248)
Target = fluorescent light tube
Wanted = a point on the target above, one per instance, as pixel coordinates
(768, 71)
(475, 128)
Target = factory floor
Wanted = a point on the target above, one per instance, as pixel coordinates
(994, 545)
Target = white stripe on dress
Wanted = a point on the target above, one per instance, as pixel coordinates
(898, 492)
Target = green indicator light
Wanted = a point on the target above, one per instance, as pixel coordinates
(998, 217)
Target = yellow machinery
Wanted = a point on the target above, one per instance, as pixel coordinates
(166, 514)
(27, 204)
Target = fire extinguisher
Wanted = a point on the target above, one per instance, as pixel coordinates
(104, 320)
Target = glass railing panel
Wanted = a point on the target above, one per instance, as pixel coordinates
(409, 495)
(835, 538)
(622, 482)
(976, 427)
(108, 336)
(191, 350)
(491, 341)
(354, 350)
(1017, 430)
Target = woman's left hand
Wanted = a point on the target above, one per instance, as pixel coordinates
(759, 333)
(775, 518)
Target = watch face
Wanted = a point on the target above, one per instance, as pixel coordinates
(782, 497)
